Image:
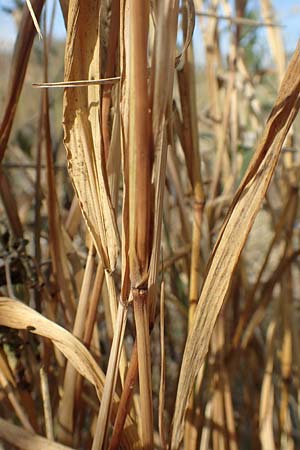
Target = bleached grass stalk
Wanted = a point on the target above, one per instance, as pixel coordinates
(47, 404)
(77, 83)
(34, 19)
(101, 435)
(162, 387)
(94, 300)
(266, 432)
(67, 402)
(140, 205)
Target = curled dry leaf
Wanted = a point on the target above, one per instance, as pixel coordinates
(82, 134)
(232, 238)
(15, 314)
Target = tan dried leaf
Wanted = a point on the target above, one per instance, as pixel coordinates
(82, 133)
(15, 314)
(232, 238)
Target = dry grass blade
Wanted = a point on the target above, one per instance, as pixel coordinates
(144, 366)
(73, 219)
(67, 401)
(5, 369)
(94, 298)
(18, 436)
(77, 83)
(64, 5)
(57, 242)
(34, 19)
(100, 439)
(237, 225)
(205, 437)
(190, 144)
(112, 48)
(124, 113)
(229, 413)
(124, 401)
(162, 387)
(15, 314)
(267, 395)
(18, 69)
(190, 29)
(162, 84)
(10, 205)
(83, 141)
(47, 404)
(238, 20)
